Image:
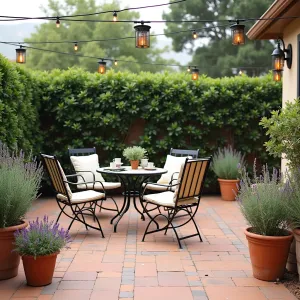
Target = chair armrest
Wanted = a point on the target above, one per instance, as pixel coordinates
(172, 177)
(75, 175)
(158, 184)
(94, 178)
(93, 182)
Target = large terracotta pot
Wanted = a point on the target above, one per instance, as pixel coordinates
(268, 254)
(297, 238)
(9, 259)
(134, 164)
(39, 271)
(229, 188)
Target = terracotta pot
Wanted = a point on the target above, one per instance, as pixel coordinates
(297, 238)
(134, 164)
(39, 271)
(228, 187)
(268, 254)
(9, 259)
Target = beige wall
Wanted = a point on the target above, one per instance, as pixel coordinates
(289, 91)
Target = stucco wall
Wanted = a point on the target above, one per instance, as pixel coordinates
(289, 91)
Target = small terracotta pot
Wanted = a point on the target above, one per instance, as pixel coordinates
(39, 271)
(228, 188)
(134, 164)
(297, 238)
(268, 254)
(9, 259)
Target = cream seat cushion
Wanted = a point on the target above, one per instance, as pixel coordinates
(86, 163)
(167, 199)
(98, 186)
(173, 165)
(158, 188)
(81, 197)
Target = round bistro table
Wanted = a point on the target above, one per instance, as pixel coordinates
(132, 181)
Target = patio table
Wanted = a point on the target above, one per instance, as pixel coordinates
(132, 181)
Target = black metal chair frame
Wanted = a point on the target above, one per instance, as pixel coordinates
(89, 151)
(59, 187)
(172, 212)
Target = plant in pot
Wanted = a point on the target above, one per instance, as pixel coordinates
(134, 154)
(39, 245)
(226, 164)
(20, 179)
(262, 202)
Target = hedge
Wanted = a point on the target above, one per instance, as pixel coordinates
(156, 111)
(19, 104)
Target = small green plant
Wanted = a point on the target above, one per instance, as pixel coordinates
(41, 238)
(227, 163)
(20, 180)
(284, 135)
(262, 202)
(134, 153)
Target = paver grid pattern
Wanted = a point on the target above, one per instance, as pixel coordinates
(122, 267)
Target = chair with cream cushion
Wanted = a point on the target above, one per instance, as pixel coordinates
(85, 166)
(185, 195)
(80, 203)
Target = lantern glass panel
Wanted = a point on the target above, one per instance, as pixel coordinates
(102, 68)
(238, 35)
(277, 75)
(142, 36)
(278, 63)
(195, 74)
(20, 56)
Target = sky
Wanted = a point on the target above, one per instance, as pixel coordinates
(31, 8)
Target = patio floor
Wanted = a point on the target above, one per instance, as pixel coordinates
(122, 267)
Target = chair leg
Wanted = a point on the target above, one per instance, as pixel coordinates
(150, 217)
(61, 211)
(100, 228)
(80, 211)
(198, 232)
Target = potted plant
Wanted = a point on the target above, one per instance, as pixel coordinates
(20, 179)
(134, 154)
(226, 165)
(262, 201)
(39, 245)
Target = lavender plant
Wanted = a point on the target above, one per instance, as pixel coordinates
(262, 202)
(226, 163)
(41, 238)
(20, 179)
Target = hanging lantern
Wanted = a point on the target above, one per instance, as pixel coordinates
(102, 67)
(142, 36)
(57, 22)
(21, 55)
(195, 35)
(115, 16)
(277, 75)
(75, 46)
(237, 34)
(115, 62)
(195, 73)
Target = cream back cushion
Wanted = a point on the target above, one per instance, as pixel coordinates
(172, 164)
(86, 163)
(65, 179)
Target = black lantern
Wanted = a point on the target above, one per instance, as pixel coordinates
(102, 67)
(115, 16)
(142, 36)
(279, 56)
(237, 34)
(21, 55)
(277, 75)
(195, 73)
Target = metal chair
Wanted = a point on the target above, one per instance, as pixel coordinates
(183, 152)
(108, 186)
(75, 201)
(186, 196)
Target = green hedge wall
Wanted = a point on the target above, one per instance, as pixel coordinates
(156, 111)
(19, 104)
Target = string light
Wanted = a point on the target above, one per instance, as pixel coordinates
(57, 22)
(195, 35)
(75, 46)
(115, 16)
(21, 55)
(115, 62)
(189, 69)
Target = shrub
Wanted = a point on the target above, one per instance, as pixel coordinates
(262, 203)
(20, 179)
(227, 163)
(41, 238)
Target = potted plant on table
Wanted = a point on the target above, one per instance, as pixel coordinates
(226, 165)
(134, 154)
(262, 202)
(39, 245)
(20, 179)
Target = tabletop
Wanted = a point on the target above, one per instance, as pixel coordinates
(128, 171)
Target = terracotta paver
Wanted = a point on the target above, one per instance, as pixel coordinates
(122, 267)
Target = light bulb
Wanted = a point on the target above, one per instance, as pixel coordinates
(57, 22)
(75, 47)
(115, 17)
(195, 35)
(115, 62)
